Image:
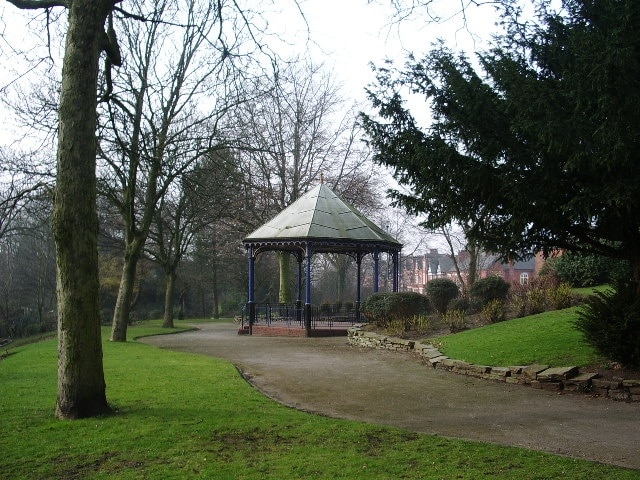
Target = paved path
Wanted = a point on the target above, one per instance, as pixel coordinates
(327, 376)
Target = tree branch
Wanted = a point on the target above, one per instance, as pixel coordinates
(38, 4)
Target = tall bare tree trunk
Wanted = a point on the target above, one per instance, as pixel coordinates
(341, 270)
(214, 290)
(284, 294)
(122, 311)
(170, 282)
(81, 384)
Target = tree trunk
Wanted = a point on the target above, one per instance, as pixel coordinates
(472, 277)
(284, 295)
(81, 384)
(122, 310)
(170, 282)
(341, 270)
(216, 304)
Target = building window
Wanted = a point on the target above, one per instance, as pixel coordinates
(524, 278)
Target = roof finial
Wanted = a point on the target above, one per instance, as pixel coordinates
(321, 178)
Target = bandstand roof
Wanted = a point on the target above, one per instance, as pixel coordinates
(322, 218)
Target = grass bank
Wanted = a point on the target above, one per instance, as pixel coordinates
(547, 338)
(182, 416)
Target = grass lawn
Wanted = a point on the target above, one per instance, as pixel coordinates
(182, 416)
(548, 338)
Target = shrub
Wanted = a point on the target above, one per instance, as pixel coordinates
(460, 303)
(537, 300)
(518, 299)
(383, 308)
(561, 296)
(587, 270)
(455, 320)
(494, 311)
(490, 288)
(440, 292)
(421, 323)
(610, 321)
(397, 328)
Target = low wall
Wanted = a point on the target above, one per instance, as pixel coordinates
(568, 379)
(287, 331)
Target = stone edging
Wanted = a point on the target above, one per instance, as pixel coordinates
(567, 379)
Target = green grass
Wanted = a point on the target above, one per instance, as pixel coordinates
(182, 416)
(591, 290)
(548, 338)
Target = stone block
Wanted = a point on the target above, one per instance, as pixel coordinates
(619, 394)
(602, 392)
(631, 383)
(608, 384)
(557, 374)
(451, 363)
(514, 380)
(431, 353)
(532, 371)
(552, 386)
(436, 360)
(501, 372)
(635, 398)
(582, 378)
(536, 384)
(405, 344)
(516, 370)
(580, 383)
(478, 369)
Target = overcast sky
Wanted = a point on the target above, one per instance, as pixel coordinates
(347, 35)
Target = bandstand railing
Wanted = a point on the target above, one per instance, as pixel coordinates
(292, 315)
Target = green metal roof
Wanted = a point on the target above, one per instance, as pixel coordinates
(320, 214)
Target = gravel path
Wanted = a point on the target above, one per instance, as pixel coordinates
(327, 376)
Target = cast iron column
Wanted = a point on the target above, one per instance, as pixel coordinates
(358, 287)
(395, 257)
(307, 305)
(299, 258)
(376, 271)
(252, 305)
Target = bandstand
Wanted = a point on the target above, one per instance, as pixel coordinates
(318, 222)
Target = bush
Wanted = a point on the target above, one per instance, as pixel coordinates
(460, 303)
(440, 292)
(518, 299)
(610, 321)
(421, 323)
(494, 311)
(398, 327)
(384, 308)
(587, 270)
(561, 296)
(537, 300)
(455, 320)
(490, 288)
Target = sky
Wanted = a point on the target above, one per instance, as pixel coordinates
(344, 35)
(348, 35)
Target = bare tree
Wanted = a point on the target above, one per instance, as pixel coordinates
(202, 196)
(18, 186)
(163, 117)
(297, 127)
